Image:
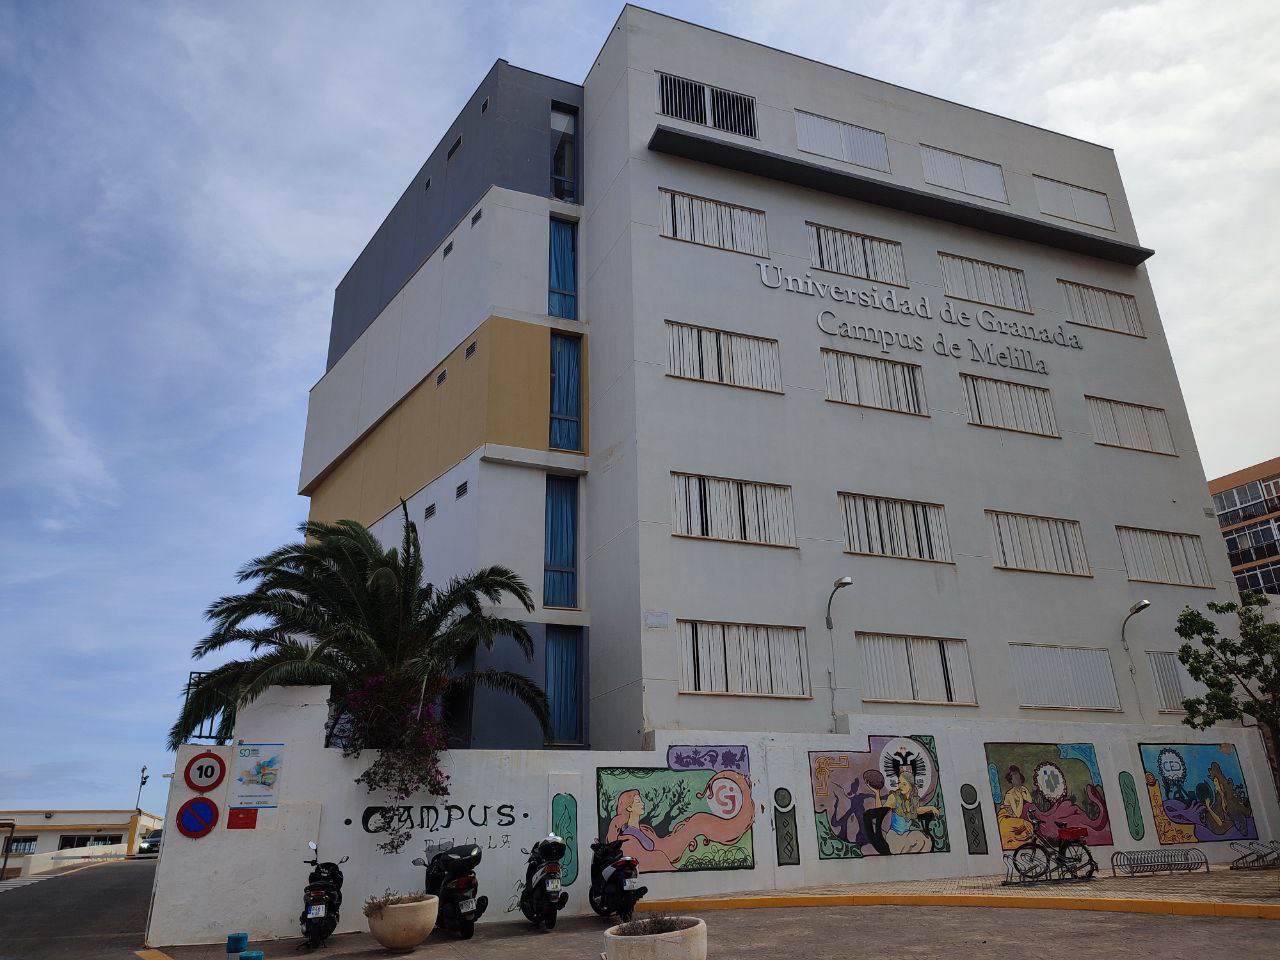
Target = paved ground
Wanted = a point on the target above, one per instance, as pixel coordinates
(875, 933)
(97, 913)
(1219, 886)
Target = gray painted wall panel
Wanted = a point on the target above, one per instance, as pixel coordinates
(508, 146)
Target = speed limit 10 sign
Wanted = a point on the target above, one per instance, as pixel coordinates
(204, 772)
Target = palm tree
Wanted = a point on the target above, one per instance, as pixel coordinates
(338, 609)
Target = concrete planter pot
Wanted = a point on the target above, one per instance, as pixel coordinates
(402, 926)
(687, 944)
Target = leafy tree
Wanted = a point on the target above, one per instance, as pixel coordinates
(1242, 676)
(338, 609)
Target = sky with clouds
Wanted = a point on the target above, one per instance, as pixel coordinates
(183, 184)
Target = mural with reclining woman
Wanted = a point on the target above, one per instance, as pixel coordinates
(883, 801)
(1197, 792)
(694, 814)
(1047, 784)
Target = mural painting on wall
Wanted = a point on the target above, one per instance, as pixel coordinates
(1048, 783)
(564, 823)
(975, 829)
(883, 801)
(694, 814)
(1197, 792)
(786, 836)
(1132, 812)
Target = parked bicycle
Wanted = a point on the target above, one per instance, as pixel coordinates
(1068, 854)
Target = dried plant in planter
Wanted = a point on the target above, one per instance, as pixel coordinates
(389, 898)
(651, 926)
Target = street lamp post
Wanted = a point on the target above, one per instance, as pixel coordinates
(1136, 609)
(142, 782)
(831, 637)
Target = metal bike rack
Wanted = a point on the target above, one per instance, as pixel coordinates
(1134, 863)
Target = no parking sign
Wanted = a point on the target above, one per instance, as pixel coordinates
(197, 817)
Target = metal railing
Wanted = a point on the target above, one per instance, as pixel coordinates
(1229, 518)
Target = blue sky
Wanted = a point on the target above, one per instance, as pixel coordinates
(183, 184)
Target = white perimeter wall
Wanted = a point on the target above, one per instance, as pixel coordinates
(252, 879)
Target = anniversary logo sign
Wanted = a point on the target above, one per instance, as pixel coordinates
(887, 303)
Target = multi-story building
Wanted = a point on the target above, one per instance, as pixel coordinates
(48, 833)
(689, 342)
(1247, 504)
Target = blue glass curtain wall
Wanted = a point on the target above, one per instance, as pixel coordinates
(560, 557)
(566, 392)
(563, 280)
(564, 683)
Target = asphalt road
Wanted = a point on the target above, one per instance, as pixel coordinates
(98, 913)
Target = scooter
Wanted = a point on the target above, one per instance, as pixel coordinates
(542, 899)
(451, 877)
(321, 898)
(615, 881)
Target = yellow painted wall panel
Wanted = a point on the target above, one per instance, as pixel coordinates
(501, 395)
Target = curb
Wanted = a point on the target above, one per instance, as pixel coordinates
(1182, 908)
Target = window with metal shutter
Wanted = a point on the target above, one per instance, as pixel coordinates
(739, 510)
(742, 658)
(895, 528)
(874, 382)
(983, 282)
(915, 669)
(1006, 405)
(1078, 678)
(1042, 544)
(1102, 309)
(1066, 200)
(856, 255)
(1160, 556)
(842, 141)
(1130, 425)
(717, 356)
(713, 223)
(955, 171)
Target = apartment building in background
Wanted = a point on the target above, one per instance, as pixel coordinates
(1247, 505)
(689, 341)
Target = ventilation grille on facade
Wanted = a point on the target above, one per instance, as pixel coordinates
(461, 491)
(429, 512)
(693, 101)
(471, 349)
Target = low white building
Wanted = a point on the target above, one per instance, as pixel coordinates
(66, 831)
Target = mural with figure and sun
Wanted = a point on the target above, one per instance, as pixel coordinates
(1197, 792)
(695, 813)
(1047, 783)
(883, 801)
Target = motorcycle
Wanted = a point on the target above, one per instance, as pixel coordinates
(321, 898)
(542, 899)
(451, 877)
(615, 881)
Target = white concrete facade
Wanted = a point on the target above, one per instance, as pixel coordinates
(252, 879)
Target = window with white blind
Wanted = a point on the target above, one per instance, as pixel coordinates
(984, 282)
(697, 102)
(743, 658)
(1075, 678)
(739, 510)
(955, 171)
(1102, 309)
(915, 669)
(1130, 425)
(1070, 202)
(1009, 406)
(842, 141)
(713, 223)
(1163, 557)
(856, 255)
(895, 528)
(717, 356)
(1042, 544)
(1173, 682)
(874, 382)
